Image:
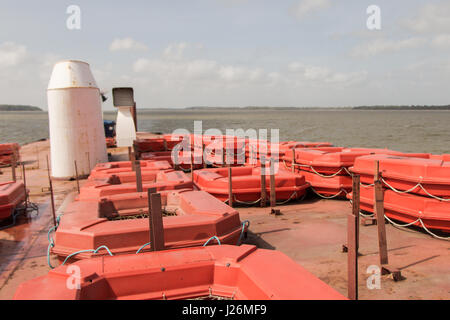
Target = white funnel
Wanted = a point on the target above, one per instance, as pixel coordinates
(75, 120)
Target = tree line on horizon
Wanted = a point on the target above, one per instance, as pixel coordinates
(12, 107)
(18, 107)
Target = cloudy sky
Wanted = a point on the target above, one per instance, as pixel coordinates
(233, 52)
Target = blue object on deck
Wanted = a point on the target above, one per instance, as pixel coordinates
(110, 128)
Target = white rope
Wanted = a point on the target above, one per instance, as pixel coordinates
(255, 202)
(323, 175)
(289, 199)
(243, 202)
(367, 185)
(366, 215)
(399, 191)
(413, 188)
(436, 236)
(329, 197)
(401, 225)
(316, 172)
(405, 225)
(284, 162)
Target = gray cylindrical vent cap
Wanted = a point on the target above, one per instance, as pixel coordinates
(123, 97)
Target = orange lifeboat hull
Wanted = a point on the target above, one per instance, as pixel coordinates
(228, 272)
(184, 158)
(267, 149)
(110, 142)
(125, 182)
(404, 173)
(11, 195)
(7, 151)
(160, 143)
(246, 183)
(106, 170)
(192, 217)
(407, 208)
(327, 168)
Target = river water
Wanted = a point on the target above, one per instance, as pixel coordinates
(402, 130)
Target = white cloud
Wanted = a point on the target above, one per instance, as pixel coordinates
(379, 46)
(11, 54)
(178, 50)
(347, 79)
(305, 7)
(431, 18)
(322, 75)
(441, 40)
(175, 50)
(126, 44)
(197, 70)
(316, 73)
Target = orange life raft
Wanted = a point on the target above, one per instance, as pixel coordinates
(125, 182)
(7, 152)
(118, 222)
(107, 169)
(246, 183)
(415, 175)
(110, 142)
(327, 169)
(159, 143)
(223, 272)
(409, 208)
(11, 195)
(258, 148)
(183, 161)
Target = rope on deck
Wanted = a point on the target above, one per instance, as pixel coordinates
(87, 250)
(413, 188)
(329, 197)
(398, 225)
(212, 238)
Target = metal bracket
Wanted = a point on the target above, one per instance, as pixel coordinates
(368, 221)
(396, 273)
(345, 250)
(276, 212)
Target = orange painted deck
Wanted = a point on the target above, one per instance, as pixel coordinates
(311, 233)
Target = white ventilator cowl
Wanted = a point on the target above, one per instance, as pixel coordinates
(125, 128)
(75, 120)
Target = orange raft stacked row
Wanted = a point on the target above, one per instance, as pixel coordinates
(121, 179)
(256, 149)
(12, 194)
(164, 142)
(409, 208)
(190, 218)
(8, 152)
(415, 175)
(110, 142)
(166, 180)
(327, 169)
(225, 151)
(124, 168)
(417, 190)
(183, 160)
(221, 272)
(246, 183)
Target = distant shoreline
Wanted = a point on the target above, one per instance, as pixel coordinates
(12, 107)
(412, 108)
